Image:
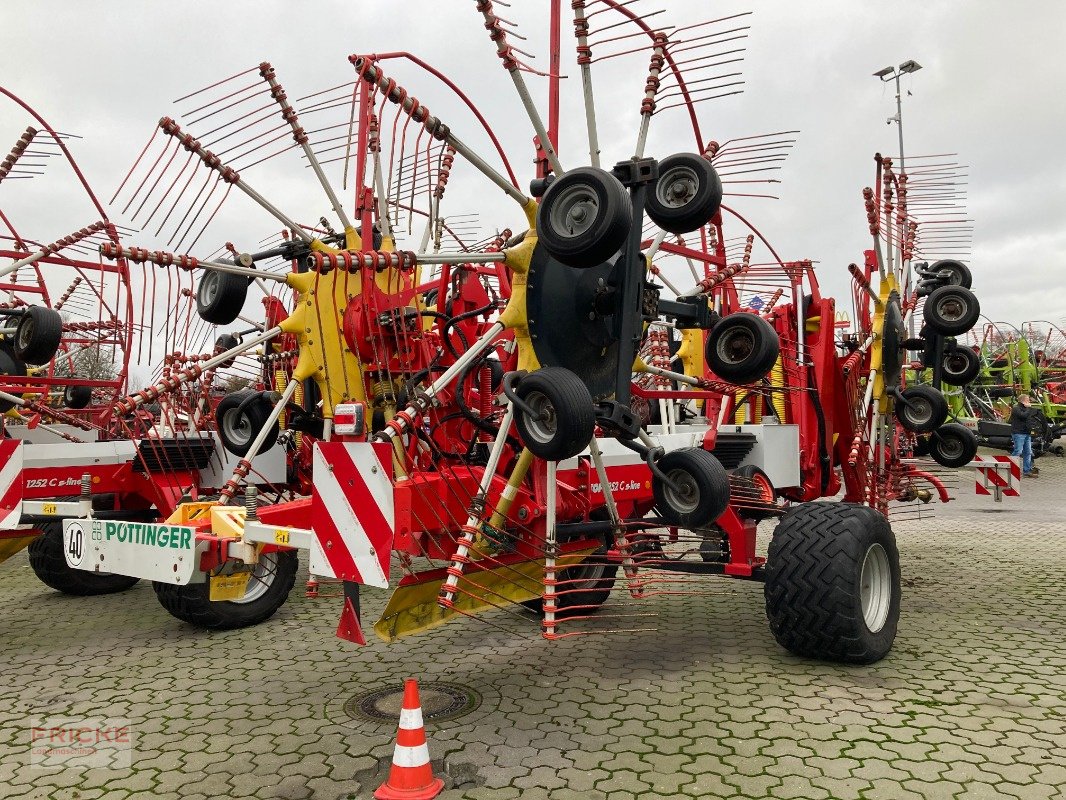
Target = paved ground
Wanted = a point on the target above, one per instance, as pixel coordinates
(971, 703)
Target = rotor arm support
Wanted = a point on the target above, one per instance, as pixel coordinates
(54, 247)
(288, 113)
(229, 175)
(140, 255)
(395, 93)
(506, 53)
(189, 373)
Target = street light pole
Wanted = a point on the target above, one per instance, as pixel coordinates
(895, 73)
(899, 124)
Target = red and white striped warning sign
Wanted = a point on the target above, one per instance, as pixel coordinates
(352, 510)
(11, 482)
(998, 475)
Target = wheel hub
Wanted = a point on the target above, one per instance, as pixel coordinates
(24, 335)
(238, 427)
(921, 411)
(736, 346)
(209, 287)
(677, 188)
(687, 496)
(952, 309)
(575, 211)
(544, 423)
(950, 447)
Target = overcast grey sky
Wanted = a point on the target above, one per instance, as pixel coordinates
(990, 90)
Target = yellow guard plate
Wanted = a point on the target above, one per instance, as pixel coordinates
(227, 587)
(413, 608)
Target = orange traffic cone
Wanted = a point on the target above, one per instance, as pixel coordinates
(411, 776)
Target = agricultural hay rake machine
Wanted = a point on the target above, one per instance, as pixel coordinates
(508, 428)
(1014, 361)
(916, 215)
(65, 344)
(71, 329)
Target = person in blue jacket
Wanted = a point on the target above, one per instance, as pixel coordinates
(1023, 418)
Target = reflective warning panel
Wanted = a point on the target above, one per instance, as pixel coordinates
(352, 510)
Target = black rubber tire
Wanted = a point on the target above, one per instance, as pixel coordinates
(704, 481)
(921, 447)
(929, 411)
(220, 296)
(226, 341)
(814, 582)
(10, 367)
(742, 348)
(49, 564)
(953, 445)
(686, 195)
(597, 575)
(603, 200)
(758, 483)
(77, 396)
(38, 334)
(917, 343)
(960, 273)
(240, 417)
(961, 366)
(952, 310)
(569, 418)
(226, 406)
(190, 603)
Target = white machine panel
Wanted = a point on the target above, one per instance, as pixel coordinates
(776, 452)
(269, 465)
(75, 454)
(162, 552)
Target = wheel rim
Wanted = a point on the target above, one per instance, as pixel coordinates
(209, 287)
(574, 212)
(919, 412)
(763, 489)
(735, 346)
(238, 427)
(261, 579)
(24, 334)
(955, 364)
(952, 308)
(687, 497)
(677, 187)
(949, 447)
(875, 584)
(543, 425)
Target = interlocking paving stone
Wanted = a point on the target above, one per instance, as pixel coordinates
(971, 703)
